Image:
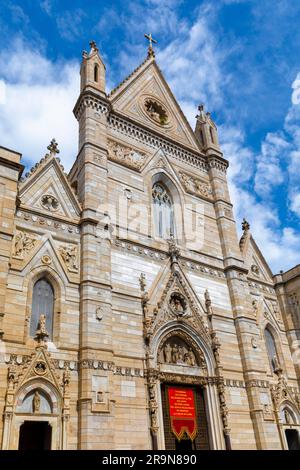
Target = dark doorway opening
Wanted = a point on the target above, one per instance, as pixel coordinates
(292, 438)
(35, 435)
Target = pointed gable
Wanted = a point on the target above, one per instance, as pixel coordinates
(47, 190)
(145, 97)
(255, 262)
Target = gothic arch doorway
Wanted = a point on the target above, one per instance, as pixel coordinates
(183, 388)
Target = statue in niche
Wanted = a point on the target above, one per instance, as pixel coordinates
(36, 402)
(178, 304)
(190, 358)
(287, 417)
(175, 354)
(181, 354)
(168, 353)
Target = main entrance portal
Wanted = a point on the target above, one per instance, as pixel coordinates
(185, 422)
(35, 435)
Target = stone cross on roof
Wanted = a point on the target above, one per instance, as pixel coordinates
(150, 48)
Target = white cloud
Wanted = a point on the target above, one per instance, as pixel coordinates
(39, 98)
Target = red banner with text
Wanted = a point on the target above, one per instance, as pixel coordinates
(182, 412)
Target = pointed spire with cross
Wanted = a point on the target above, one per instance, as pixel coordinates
(151, 52)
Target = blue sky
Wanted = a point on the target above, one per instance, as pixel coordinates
(240, 58)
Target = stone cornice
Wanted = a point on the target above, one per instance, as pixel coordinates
(90, 99)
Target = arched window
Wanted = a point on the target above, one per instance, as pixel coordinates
(271, 348)
(42, 304)
(163, 211)
(96, 72)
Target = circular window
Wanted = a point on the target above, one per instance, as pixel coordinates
(156, 111)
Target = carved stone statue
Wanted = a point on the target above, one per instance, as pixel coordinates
(181, 354)
(175, 354)
(41, 332)
(36, 402)
(287, 417)
(177, 304)
(168, 353)
(190, 358)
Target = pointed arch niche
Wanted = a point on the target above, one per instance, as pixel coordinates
(48, 279)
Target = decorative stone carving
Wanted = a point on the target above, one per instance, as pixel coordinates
(279, 392)
(156, 111)
(126, 155)
(23, 244)
(178, 304)
(69, 254)
(36, 402)
(255, 269)
(50, 203)
(99, 313)
(46, 260)
(195, 186)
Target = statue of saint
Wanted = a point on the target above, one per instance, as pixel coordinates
(175, 354)
(181, 354)
(36, 402)
(168, 353)
(190, 358)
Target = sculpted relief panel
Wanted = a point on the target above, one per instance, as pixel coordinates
(23, 243)
(177, 351)
(126, 155)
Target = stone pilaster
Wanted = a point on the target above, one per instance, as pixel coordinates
(96, 428)
(10, 172)
(236, 274)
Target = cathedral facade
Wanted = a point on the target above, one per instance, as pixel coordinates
(131, 315)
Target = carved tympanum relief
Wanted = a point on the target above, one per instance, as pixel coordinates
(177, 351)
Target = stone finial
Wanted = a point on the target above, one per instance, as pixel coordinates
(142, 280)
(245, 225)
(93, 46)
(41, 334)
(174, 251)
(53, 147)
